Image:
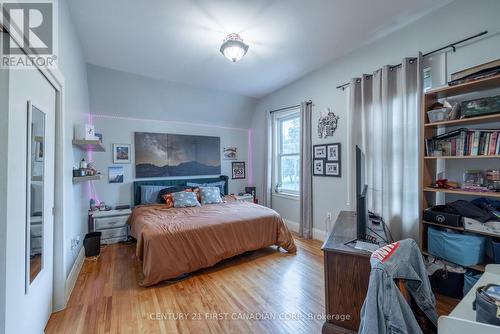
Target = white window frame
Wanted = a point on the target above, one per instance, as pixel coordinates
(278, 119)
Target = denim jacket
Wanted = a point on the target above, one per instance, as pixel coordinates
(385, 310)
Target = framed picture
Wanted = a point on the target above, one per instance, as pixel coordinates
(189, 155)
(332, 169)
(230, 153)
(121, 153)
(319, 151)
(318, 168)
(333, 152)
(115, 174)
(238, 169)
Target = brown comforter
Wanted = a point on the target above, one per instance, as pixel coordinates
(172, 242)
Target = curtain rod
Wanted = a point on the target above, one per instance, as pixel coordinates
(290, 107)
(452, 46)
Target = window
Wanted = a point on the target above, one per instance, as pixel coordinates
(287, 148)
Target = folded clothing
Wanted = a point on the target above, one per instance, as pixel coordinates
(470, 210)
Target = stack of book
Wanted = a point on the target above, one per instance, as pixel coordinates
(464, 142)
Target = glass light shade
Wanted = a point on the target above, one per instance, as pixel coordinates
(233, 48)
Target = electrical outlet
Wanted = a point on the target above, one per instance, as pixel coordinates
(75, 242)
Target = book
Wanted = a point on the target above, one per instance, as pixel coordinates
(493, 143)
(475, 143)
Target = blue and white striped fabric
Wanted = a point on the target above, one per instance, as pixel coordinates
(210, 195)
(185, 199)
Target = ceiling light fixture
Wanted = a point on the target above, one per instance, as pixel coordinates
(233, 47)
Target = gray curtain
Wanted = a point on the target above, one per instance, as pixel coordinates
(306, 200)
(268, 165)
(385, 107)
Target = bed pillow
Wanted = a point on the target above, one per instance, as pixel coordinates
(149, 194)
(185, 199)
(219, 184)
(169, 200)
(170, 190)
(210, 195)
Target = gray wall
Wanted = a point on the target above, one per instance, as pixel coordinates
(73, 67)
(117, 93)
(124, 103)
(453, 22)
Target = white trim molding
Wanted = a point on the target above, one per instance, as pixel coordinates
(317, 233)
(73, 276)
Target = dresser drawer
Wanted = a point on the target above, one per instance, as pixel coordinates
(110, 222)
(114, 233)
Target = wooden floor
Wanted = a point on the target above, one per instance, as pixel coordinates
(259, 292)
(264, 283)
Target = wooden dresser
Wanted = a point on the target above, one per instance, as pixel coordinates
(347, 272)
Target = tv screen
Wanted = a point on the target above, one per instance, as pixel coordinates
(361, 209)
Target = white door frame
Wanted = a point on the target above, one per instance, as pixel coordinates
(56, 79)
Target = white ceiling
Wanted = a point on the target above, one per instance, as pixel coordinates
(179, 40)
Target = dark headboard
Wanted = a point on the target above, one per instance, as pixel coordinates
(175, 182)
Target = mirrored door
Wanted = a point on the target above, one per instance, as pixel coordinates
(35, 192)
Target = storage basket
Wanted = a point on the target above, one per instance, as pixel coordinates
(470, 278)
(438, 115)
(459, 248)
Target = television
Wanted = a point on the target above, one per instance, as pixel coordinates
(361, 188)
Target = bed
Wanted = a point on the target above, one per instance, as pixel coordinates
(177, 241)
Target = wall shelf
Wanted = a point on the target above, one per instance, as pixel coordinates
(430, 166)
(478, 267)
(464, 157)
(89, 145)
(86, 178)
(466, 121)
(469, 87)
(463, 192)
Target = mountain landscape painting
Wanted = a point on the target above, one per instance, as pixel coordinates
(164, 155)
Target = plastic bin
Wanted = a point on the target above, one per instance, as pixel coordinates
(470, 278)
(438, 115)
(92, 244)
(448, 283)
(459, 248)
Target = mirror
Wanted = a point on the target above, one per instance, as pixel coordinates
(34, 192)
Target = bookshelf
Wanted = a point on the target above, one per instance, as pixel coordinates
(429, 164)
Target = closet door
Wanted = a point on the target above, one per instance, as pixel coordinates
(30, 198)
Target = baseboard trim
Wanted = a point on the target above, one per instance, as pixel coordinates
(317, 233)
(73, 274)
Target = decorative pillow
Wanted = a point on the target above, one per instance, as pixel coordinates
(185, 199)
(219, 184)
(168, 199)
(170, 190)
(210, 195)
(149, 194)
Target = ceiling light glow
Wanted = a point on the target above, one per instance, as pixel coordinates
(233, 47)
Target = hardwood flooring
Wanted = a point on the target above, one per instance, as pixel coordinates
(258, 292)
(264, 283)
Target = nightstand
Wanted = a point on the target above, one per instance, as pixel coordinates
(245, 198)
(112, 224)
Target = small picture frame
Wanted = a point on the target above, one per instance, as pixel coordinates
(121, 153)
(333, 169)
(333, 152)
(318, 167)
(115, 174)
(238, 170)
(230, 153)
(319, 151)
